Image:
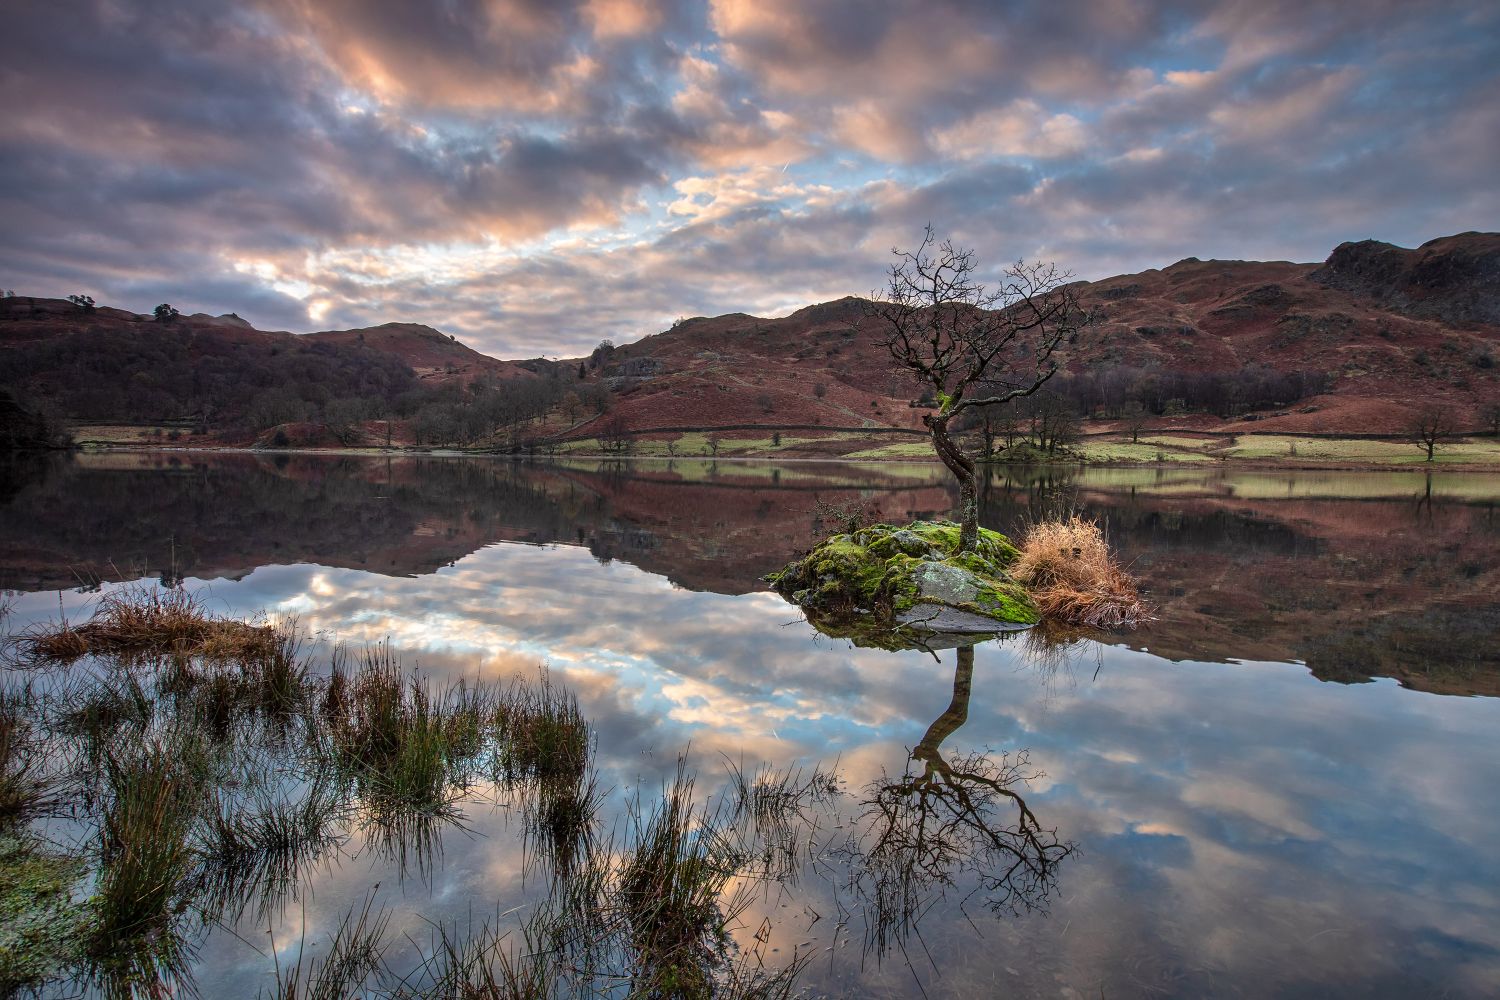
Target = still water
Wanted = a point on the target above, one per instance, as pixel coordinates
(1285, 786)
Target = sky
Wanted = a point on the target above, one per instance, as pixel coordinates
(534, 176)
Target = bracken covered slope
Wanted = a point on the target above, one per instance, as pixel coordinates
(1394, 328)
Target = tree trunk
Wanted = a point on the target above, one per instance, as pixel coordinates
(963, 470)
(947, 724)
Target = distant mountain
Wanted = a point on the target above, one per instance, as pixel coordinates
(1379, 330)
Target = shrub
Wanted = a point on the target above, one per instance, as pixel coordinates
(1074, 577)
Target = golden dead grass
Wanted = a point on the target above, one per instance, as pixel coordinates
(1074, 577)
(141, 620)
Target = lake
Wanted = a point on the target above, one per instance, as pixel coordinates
(1286, 785)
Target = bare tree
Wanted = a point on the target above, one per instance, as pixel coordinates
(975, 346)
(1134, 417)
(1429, 423)
(614, 436)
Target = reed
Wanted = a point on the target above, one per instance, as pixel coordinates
(353, 957)
(24, 791)
(670, 891)
(539, 733)
(146, 851)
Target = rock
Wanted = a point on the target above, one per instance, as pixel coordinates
(882, 583)
(950, 621)
(1455, 279)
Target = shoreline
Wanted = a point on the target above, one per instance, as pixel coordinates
(1290, 464)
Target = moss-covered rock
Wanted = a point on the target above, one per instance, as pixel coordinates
(881, 579)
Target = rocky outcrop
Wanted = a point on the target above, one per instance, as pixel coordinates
(1455, 280)
(884, 583)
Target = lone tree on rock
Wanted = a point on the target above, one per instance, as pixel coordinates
(974, 345)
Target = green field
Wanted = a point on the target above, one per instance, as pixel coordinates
(1294, 450)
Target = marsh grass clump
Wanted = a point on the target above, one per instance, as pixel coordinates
(278, 676)
(410, 752)
(142, 620)
(1074, 577)
(24, 790)
(147, 866)
(670, 891)
(353, 957)
(540, 733)
(262, 850)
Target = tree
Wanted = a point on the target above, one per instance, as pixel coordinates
(975, 346)
(614, 436)
(1429, 423)
(165, 313)
(1134, 417)
(84, 302)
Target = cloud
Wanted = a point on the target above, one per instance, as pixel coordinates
(527, 174)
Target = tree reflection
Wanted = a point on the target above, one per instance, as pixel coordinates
(948, 819)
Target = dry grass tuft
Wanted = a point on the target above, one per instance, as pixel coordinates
(1074, 577)
(144, 620)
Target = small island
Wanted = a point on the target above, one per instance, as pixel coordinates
(898, 587)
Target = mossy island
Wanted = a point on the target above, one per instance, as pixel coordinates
(879, 583)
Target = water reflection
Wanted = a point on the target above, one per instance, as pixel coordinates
(944, 819)
(1262, 565)
(1237, 823)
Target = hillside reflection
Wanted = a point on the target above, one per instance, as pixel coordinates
(1355, 574)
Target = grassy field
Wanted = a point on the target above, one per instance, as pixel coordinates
(1293, 450)
(902, 450)
(1146, 450)
(121, 434)
(1467, 451)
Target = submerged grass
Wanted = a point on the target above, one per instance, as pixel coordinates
(353, 957)
(211, 779)
(1074, 577)
(25, 792)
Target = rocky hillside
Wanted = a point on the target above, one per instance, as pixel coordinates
(1379, 330)
(1392, 329)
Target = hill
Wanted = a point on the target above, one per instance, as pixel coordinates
(1352, 345)
(1361, 340)
(220, 376)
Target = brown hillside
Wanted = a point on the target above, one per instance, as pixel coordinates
(433, 355)
(1394, 328)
